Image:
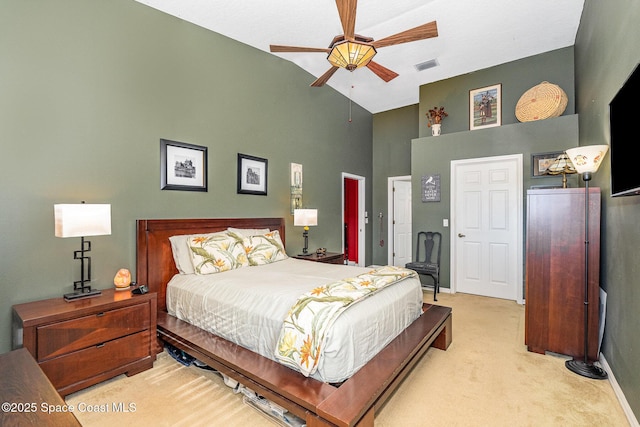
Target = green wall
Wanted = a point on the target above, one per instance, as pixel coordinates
(392, 134)
(393, 131)
(607, 50)
(515, 78)
(434, 156)
(88, 88)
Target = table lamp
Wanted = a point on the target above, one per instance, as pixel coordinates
(82, 220)
(561, 165)
(305, 218)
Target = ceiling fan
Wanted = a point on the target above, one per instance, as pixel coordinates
(351, 51)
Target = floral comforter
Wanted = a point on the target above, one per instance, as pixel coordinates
(302, 336)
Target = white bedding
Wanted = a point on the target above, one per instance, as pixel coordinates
(248, 305)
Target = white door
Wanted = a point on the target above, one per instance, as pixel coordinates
(486, 234)
(401, 222)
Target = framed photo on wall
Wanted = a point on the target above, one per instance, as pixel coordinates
(182, 166)
(252, 175)
(485, 107)
(296, 186)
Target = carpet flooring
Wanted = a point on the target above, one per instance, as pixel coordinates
(486, 378)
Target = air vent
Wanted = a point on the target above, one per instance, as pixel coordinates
(426, 65)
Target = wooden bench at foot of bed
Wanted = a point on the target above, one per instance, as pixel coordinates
(353, 403)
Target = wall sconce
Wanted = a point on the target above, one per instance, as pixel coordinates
(82, 220)
(305, 218)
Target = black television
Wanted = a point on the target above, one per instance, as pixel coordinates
(623, 118)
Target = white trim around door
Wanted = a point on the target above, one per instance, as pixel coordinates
(390, 215)
(361, 216)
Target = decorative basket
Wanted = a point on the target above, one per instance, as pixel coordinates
(541, 102)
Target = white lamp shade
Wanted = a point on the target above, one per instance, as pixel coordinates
(81, 220)
(305, 217)
(587, 158)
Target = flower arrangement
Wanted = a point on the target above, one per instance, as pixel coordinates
(436, 115)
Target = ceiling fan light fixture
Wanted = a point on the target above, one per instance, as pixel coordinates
(351, 54)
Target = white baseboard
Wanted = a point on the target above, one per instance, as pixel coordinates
(441, 291)
(633, 421)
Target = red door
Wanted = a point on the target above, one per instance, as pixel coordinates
(351, 219)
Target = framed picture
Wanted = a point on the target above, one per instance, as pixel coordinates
(541, 161)
(252, 175)
(182, 166)
(430, 188)
(296, 186)
(485, 107)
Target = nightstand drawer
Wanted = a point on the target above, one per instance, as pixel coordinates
(63, 337)
(83, 364)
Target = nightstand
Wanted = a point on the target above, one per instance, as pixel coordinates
(329, 258)
(83, 342)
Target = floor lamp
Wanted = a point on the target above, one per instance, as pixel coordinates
(586, 161)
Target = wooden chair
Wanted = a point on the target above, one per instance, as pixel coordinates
(430, 264)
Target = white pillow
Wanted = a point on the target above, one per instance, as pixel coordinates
(181, 256)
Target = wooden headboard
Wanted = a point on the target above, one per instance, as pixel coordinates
(154, 263)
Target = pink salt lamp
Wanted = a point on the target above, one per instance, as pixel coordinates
(122, 279)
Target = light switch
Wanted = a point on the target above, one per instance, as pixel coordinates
(445, 222)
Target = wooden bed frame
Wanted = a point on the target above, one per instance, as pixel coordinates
(353, 403)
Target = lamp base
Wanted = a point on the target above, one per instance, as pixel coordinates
(588, 370)
(79, 294)
(305, 254)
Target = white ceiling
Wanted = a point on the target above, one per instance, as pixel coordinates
(472, 35)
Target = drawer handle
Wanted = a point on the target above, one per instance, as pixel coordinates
(100, 314)
(100, 345)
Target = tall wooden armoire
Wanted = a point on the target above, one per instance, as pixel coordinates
(555, 271)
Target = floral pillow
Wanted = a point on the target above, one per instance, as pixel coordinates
(217, 252)
(246, 232)
(182, 252)
(265, 248)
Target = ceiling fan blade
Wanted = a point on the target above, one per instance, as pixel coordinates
(323, 78)
(347, 12)
(278, 48)
(383, 72)
(421, 32)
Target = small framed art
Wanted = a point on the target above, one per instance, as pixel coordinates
(485, 107)
(252, 175)
(430, 188)
(541, 161)
(296, 186)
(182, 166)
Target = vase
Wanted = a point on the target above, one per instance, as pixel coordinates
(435, 129)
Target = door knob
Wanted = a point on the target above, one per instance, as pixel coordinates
(461, 235)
